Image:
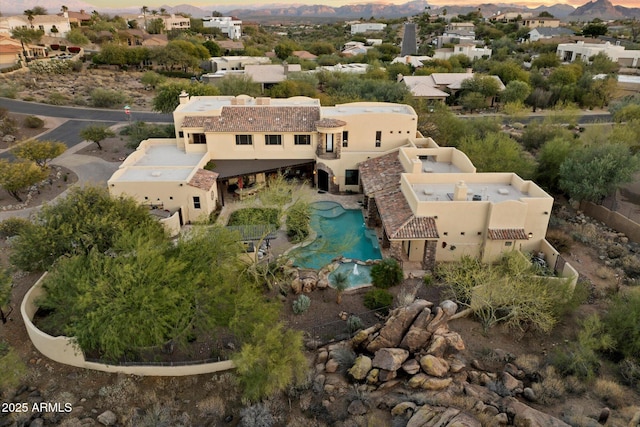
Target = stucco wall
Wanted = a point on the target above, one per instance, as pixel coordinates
(61, 349)
(613, 219)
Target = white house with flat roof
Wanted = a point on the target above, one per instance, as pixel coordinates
(367, 27)
(570, 52)
(230, 26)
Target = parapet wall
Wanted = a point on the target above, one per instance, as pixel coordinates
(63, 349)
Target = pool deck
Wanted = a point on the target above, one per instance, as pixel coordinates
(349, 201)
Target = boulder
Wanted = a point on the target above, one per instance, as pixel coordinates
(390, 359)
(331, 366)
(417, 336)
(438, 346)
(434, 366)
(437, 383)
(296, 286)
(397, 325)
(511, 384)
(322, 357)
(357, 407)
(372, 376)
(417, 380)
(385, 375)
(107, 418)
(308, 285)
(404, 409)
(527, 416)
(454, 342)
(429, 415)
(411, 366)
(360, 368)
(456, 365)
(449, 307)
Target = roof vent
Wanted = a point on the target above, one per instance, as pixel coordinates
(503, 191)
(156, 173)
(427, 191)
(427, 169)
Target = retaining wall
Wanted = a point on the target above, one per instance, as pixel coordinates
(62, 349)
(613, 219)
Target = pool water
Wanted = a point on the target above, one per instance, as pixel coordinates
(356, 276)
(340, 232)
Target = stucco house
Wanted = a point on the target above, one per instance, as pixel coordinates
(549, 33)
(228, 25)
(580, 50)
(469, 50)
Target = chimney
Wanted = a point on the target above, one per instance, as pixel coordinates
(184, 97)
(460, 191)
(286, 67)
(82, 11)
(399, 77)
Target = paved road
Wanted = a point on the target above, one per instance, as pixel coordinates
(93, 114)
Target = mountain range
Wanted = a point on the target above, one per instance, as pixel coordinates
(602, 9)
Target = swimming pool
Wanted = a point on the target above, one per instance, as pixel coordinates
(340, 232)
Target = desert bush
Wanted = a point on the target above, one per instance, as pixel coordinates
(605, 273)
(386, 274)
(55, 66)
(631, 266)
(621, 323)
(580, 357)
(107, 98)
(345, 357)
(257, 415)
(377, 299)
(13, 226)
(301, 304)
(13, 370)
(254, 216)
(551, 388)
(33, 122)
(407, 295)
(529, 363)
(212, 406)
(8, 126)
(354, 323)
(612, 393)
(8, 90)
(575, 385)
(560, 240)
(298, 219)
(139, 131)
(56, 98)
(3, 113)
(630, 372)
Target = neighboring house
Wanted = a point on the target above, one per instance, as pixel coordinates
(234, 63)
(173, 22)
(353, 68)
(368, 27)
(414, 61)
(438, 86)
(469, 50)
(10, 55)
(570, 52)
(456, 37)
(228, 25)
(355, 48)
(51, 25)
(303, 54)
(270, 74)
(11, 51)
(549, 33)
(541, 22)
(510, 17)
(77, 18)
(460, 26)
(230, 45)
(428, 200)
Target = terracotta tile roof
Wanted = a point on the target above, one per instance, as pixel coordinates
(398, 219)
(203, 179)
(507, 234)
(330, 123)
(239, 119)
(380, 173)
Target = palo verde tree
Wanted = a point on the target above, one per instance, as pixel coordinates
(18, 176)
(168, 95)
(97, 134)
(87, 218)
(593, 172)
(40, 152)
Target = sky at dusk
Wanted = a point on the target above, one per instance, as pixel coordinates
(256, 3)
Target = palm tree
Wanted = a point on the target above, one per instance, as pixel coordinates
(144, 11)
(340, 284)
(64, 9)
(163, 11)
(29, 13)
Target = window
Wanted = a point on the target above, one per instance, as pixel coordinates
(378, 138)
(351, 177)
(244, 140)
(273, 139)
(329, 143)
(196, 202)
(199, 138)
(302, 139)
(345, 138)
(508, 243)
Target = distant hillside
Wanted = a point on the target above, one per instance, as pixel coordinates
(603, 9)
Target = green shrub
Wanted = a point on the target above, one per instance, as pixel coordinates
(56, 98)
(621, 323)
(13, 226)
(377, 299)
(345, 358)
(139, 131)
(13, 370)
(551, 388)
(8, 126)
(8, 90)
(354, 323)
(386, 274)
(301, 304)
(427, 280)
(33, 122)
(630, 372)
(298, 219)
(560, 240)
(106, 98)
(254, 216)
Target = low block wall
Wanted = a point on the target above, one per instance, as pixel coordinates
(613, 219)
(63, 350)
